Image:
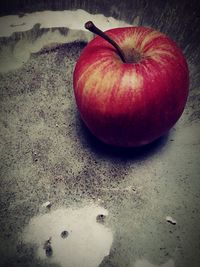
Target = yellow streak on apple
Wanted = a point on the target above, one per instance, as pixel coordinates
(87, 71)
(160, 51)
(149, 37)
(132, 80)
(133, 40)
(102, 85)
(130, 42)
(91, 75)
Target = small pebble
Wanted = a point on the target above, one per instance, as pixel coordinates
(100, 218)
(48, 248)
(47, 204)
(169, 219)
(64, 234)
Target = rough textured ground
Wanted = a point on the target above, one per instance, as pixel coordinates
(48, 155)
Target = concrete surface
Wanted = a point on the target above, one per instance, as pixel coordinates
(47, 154)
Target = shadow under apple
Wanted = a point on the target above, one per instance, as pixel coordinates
(98, 147)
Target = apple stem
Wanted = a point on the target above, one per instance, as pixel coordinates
(92, 28)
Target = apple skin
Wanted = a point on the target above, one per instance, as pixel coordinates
(131, 104)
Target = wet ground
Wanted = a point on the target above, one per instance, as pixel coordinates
(69, 200)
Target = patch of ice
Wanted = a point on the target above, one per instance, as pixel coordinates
(51, 19)
(88, 242)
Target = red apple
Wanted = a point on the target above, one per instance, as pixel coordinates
(131, 103)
